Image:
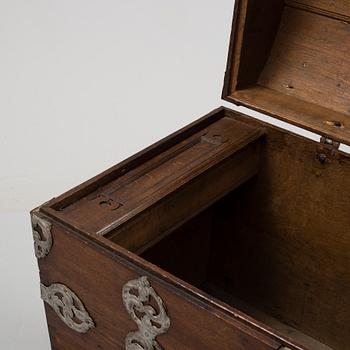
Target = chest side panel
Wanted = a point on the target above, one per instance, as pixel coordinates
(98, 280)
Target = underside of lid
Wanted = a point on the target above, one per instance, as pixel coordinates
(291, 59)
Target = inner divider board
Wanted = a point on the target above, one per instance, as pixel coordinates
(187, 171)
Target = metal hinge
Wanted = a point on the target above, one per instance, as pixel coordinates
(331, 144)
(327, 150)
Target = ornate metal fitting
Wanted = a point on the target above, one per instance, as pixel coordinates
(67, 306)
(147, 309)
(42, 236)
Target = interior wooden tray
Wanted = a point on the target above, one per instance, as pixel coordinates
(138, 203)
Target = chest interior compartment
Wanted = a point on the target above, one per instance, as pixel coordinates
(277, 247)
(251, 214)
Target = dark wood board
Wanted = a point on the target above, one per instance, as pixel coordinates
(289, 59)
(292, 226)
(98, 276)
(138, 188)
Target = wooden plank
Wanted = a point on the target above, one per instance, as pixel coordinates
(310, 60)
(130, 163)
(161, 219)
(306, 115)
(336, 9)
(98, 277)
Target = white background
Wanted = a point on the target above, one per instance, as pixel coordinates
(83, 85)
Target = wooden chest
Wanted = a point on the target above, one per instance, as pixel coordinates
(230, 234)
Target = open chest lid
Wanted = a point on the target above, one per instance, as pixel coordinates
(290, 59)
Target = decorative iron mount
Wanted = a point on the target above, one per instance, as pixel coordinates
(137, 297)
(67, 306)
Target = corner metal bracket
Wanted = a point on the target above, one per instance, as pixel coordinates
(41, 235)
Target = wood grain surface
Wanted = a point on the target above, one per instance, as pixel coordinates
(97, 277)
(290, 60)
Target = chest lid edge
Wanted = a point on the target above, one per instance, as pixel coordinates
(290, 60)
